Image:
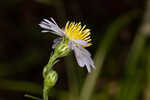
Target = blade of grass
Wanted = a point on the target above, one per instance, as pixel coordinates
(32, 97)
(132, 84)
(147, 89)
(72, 79)
(101, 52)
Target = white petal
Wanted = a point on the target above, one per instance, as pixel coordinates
(46, 20)
(81, 42)
(55, 42)
(86, 52)
(70, 45)
(88, 68)
(79, 57)
(53, 20)
(91, 62)
(44, 26)
(83, 57)
(51, 26)
(44, 31)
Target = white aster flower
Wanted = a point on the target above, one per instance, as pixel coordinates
(78, 36)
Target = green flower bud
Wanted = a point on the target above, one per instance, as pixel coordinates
(50, 79)
(62, 48)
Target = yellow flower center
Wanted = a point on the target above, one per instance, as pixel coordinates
(74, 31)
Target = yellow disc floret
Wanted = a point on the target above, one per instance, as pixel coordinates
(74, 31)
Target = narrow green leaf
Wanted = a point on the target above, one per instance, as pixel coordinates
(101, 52)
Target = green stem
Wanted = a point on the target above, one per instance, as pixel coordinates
(50, 64)
(45, 93)
(50, 76)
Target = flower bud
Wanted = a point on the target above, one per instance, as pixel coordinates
(62, 48)
(50, 79)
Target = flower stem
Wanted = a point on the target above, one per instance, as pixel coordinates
(50, 64)
(50, 76)
(45, 93)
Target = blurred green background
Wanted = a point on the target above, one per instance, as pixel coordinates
(121, 50)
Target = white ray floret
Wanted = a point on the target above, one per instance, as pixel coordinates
(83, 58)
(51, 26)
